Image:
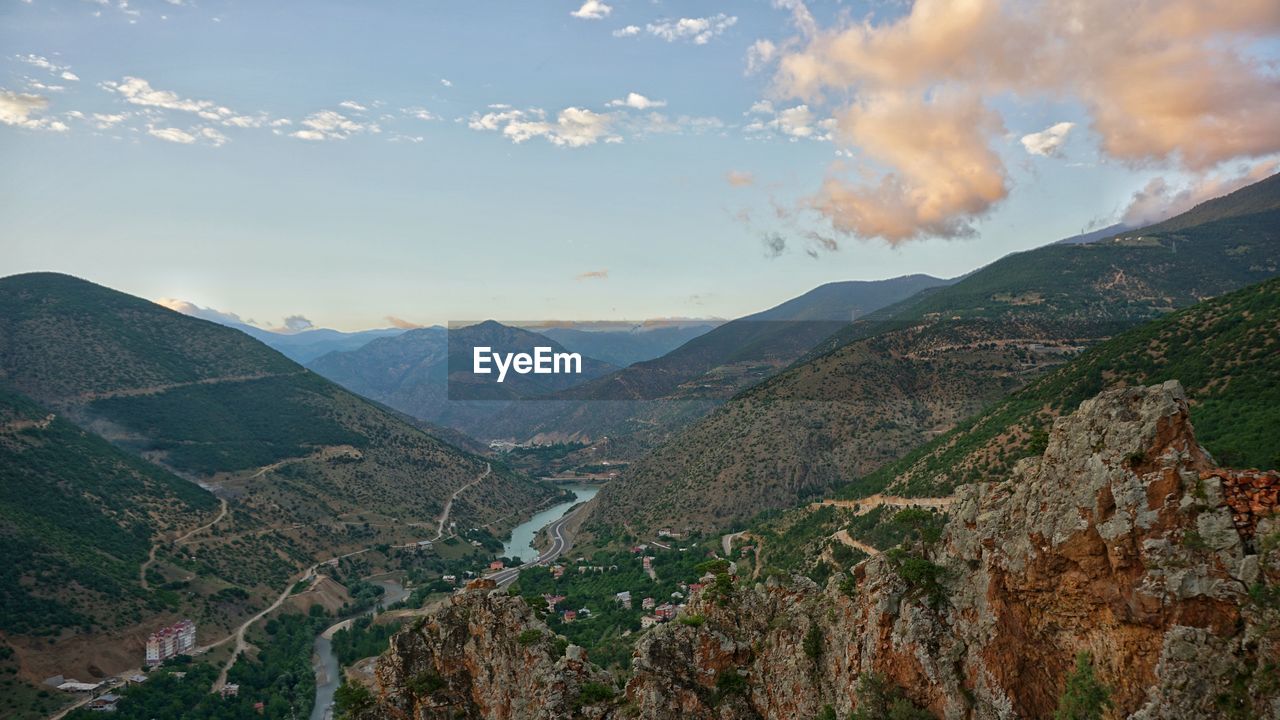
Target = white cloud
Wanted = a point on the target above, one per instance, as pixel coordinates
(628, 31)
(331, 125)
(44, 63)
(699, 31)
(760, 55)
(797, 123)
(572, 127)
(445, 82)
(420, 113)
(352, 105)
(23, 110)
(592, 10)
(104, 121)
(1048, 142)
(637, 101)
(173, 135)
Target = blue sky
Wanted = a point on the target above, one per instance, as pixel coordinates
(428, 161)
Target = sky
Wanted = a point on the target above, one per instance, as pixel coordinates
(358, 165)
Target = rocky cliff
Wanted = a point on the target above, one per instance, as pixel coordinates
(485, 655)
(1122, 541)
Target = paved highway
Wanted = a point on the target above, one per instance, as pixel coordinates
(559, 544)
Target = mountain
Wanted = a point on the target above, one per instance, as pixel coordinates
(426, 373)
(1225, 352)
(307, 345)
(1118, 572)
(903, 375)
(307, 469)
(1094, 235)
(626, 412)
(627, 347)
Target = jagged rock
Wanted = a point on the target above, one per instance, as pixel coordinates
(484, 655)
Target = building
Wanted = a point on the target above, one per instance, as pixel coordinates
(666, 611)
(496, 565)
(649, 621)
(557, 571)
(229, 690)
(570, 615)
(451, 579)
(647, 603)
(624, 599)
(104, 703)
(177, 639)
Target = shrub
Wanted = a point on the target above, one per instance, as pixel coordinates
(1084, 697)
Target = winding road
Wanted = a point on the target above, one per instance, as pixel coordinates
(559, 544)
(862, 506)
(448, 505)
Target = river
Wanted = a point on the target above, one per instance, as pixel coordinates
(325, 663)
(520, 546)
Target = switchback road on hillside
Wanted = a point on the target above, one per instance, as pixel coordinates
(151, 555)
(871, 502)
(448, 506)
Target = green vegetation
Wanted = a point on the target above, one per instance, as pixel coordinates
(234, 426)
(602, 630)
(1084, 697)
(878, 700)
(1225, 352)
(76, 511)
(363, 638)
(280, 678)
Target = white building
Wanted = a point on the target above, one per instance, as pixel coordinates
(177, 639)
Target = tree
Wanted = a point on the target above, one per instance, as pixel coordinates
(1084, 697)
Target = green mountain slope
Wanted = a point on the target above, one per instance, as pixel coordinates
(887, 384)
(308, 469)
(1225, 352)
(77, 512)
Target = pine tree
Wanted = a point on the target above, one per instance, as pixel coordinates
(1084, 697)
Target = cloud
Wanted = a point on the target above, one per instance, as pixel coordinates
(1047, 142)
(572, 127)
(331, 125)
(637, 102)
(402, 323)
(797, 123)
(738, 178)
(592, 10)
(183, 137)
(23, 110)
(204, 313)
(1159, 200)
(137, 91)
(420, 113)
(39, 61)
(699, 31)
(1171, 83)
(352, 105)
(942, 171)
(594, 275)
(760, 55)
(774, 244)
(445, 82)
(297, 323)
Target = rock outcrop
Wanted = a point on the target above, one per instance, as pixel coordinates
(1121, 541)
(485, 655)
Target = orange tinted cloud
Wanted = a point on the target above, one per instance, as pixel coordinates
(594, 275)
(402, 323)
(1162, 81)
(739, 178)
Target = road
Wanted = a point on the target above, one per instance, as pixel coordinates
(871, 502)
(151, 555)
(559, 544)
(448, 505)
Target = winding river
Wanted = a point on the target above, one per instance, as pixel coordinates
(329, 675)
(520, 546)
